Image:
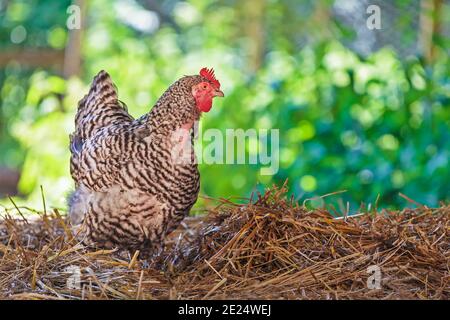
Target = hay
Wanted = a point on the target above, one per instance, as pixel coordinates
(270, 248)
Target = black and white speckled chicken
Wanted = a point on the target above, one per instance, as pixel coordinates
(131, 187)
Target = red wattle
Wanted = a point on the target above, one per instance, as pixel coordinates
(204, 105)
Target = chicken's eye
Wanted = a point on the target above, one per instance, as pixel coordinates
(204, 87)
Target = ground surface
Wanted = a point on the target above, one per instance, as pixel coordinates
(270, 248)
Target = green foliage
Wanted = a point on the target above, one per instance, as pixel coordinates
(377, 125)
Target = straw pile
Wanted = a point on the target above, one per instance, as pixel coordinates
(269, 248)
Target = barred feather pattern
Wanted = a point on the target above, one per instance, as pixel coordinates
(129, 190)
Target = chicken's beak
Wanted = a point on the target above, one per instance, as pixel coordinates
(218, 93)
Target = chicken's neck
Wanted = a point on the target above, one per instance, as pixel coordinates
(175, 111)
(170, 115)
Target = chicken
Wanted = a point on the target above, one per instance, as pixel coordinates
(131, 190)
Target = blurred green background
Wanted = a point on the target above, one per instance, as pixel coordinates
(361, 110)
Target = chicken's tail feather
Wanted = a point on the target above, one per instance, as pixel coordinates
(103, 90)
(100, 107)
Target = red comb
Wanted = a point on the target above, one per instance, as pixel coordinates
(209, 74)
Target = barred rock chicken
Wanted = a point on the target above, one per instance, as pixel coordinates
(131, 190)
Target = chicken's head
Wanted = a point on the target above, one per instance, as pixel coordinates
(206, 90)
